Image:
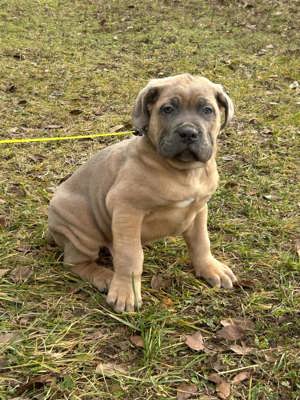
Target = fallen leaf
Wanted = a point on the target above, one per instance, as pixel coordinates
(116, 128)
(186, 391)
(21, 274)
(36, 382)
(231, 332)
(7, 337)
(159, 282)
(241, 350)
(223, 390)
(242, 376)
(3, 272)
(137, 341)
(297, 246)
(215, 378)
(234, 329)
(222, 387)
(110, 369)
(195, 341)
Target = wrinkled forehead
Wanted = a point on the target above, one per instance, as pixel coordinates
(188, 93)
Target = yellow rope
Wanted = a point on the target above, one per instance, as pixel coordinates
(50, 139)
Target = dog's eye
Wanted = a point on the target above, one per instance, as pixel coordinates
(167, 109)
(207, 110)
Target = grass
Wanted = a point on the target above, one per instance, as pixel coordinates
(93, 57)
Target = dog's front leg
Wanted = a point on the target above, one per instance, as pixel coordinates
(125, 288)
(205, 265)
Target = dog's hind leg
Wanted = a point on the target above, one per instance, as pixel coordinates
(86, 267)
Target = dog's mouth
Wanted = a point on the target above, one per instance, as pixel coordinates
(187, 155)
(199, 149)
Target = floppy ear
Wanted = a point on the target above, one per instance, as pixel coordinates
(226, 103)
(141, 113)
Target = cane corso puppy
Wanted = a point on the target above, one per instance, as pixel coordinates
(145, 188)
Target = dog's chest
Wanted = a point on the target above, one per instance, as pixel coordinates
(170, 221)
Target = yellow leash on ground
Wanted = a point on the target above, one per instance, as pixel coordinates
(57, 138)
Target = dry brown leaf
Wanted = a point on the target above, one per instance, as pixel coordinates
(243, 323)
(241, 350)
(222, 387)
(159, 282)
(186, 391)
(3, 272)
(36, 382)
(137, 341)
(110, 369)
(215, 378)
(234, 329)
(242, 376)
(231, 332)
(195, 341)
(7, 337)
(223, 390)
(20, 274)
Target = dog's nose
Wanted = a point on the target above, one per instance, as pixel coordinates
(188, 134)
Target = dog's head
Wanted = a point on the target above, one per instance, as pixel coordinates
(182, 116)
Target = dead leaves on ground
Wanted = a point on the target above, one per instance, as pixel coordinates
(241, 350)
(240, 377)
(36, 382)
(195, 341)
(110, 369)
(159, 282)
(222, 386)
(234, 329)
(21, 274)
(137, 341)
(185, 391)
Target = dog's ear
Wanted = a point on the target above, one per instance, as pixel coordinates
(225, 103)
(141, 111)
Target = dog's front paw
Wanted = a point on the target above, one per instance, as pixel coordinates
(124, 294)
(216, 273)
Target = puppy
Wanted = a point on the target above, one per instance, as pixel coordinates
(145, 188)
